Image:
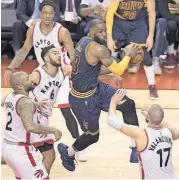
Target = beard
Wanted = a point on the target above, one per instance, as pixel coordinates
(100, 41)
(30, 88)
(55, 64)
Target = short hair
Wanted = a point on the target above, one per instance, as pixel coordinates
(47, 2)
(46, 50)
(95, 22)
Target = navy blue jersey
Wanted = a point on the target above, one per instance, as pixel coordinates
(84, 76)
(131, 9)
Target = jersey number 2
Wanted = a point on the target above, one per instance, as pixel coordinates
(9, 122)
(160, 152)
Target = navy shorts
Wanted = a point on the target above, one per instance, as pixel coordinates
(87, 110)
(124, 32)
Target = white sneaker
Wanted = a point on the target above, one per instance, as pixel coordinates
(133, 69)
(81, 156)
(157, 68)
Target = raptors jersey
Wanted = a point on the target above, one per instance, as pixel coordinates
(156, 159)
(14, 130)
(41, 41)
(47, 89)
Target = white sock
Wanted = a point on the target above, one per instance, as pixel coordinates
(71, 151)
(133, 142)
(170, 49)
(149, 71)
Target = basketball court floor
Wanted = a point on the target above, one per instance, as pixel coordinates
(109, 158)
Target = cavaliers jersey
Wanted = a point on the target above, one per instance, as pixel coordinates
(156, 159)
(173, 7)
(84, 76)
(41, 41)
(131, 9)
(47, 89)
(14, 130)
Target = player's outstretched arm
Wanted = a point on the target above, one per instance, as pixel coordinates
(65, 38)
(26, 109)
(174, 131)
(132, 131)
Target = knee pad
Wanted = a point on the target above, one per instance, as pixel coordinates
(147, 58)
(93, 139)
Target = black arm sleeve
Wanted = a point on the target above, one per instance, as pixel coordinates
(164, 11)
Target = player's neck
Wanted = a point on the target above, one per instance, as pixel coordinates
(154, 126)
(21, 92)
(51, 70)
(47, 27)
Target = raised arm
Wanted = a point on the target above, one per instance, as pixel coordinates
(65, 38)
(174, 131)
(26, 109)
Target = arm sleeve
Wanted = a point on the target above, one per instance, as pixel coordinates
(110, 15)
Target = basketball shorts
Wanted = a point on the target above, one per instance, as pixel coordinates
(126, 32)
(23, 161)
(39, 139)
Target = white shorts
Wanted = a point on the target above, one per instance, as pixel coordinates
(23, 161)
(39, 139)
(62, 97)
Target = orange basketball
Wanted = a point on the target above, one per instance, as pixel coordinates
(137, 59)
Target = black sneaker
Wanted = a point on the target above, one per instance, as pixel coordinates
(67, 161)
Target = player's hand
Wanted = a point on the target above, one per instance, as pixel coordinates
(118, 96)
(149, 43)
(42, 105)
(97, 8)
(111, 44)
(7, 76)
(57, 134)
(118, 81)
(131, 50)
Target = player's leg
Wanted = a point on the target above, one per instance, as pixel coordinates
(88, 116)
(71, 122)
(139, 35)
(24, 162)
(48, 153)
(128, 111)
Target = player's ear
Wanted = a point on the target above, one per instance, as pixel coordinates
(46, 58)
(20, 87)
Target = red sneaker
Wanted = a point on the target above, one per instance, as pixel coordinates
(169, 61)
(153, 92)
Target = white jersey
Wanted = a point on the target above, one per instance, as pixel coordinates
(156, 159)
(14, 130)
(47, 89)
(41, 41)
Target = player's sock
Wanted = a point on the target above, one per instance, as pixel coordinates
(149, 71)
(170, 49)
(71, 151)
(133, 142)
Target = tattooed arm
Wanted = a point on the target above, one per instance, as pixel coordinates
(26, 110)
(65, 38)
(23, 52)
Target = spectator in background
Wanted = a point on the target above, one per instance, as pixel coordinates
(69, 15)
(160, 40)
(27, 13)
(169, 9)
(91, 9)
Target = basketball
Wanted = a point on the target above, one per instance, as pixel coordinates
(137, 59)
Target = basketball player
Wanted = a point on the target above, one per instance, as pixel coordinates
(89, 96)
(17, 150)
(154, 144)
(48, 80)
(44, 33)
(126, 24)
